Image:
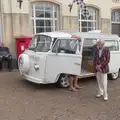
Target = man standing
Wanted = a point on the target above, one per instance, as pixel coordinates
(73, 79)
(101, 60)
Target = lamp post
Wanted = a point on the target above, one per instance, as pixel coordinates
(20, 3)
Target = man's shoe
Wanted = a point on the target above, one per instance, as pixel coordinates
(99, 95)
(105, 98)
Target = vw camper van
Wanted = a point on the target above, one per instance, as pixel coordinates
(50, 56)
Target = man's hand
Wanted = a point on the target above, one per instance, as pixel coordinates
(98, 67)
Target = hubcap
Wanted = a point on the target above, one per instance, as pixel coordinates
(64, 82)
(115, 75)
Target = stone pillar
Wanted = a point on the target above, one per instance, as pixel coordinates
(106, 25)
(70, 23)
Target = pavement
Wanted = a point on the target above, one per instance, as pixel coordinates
(22, 100)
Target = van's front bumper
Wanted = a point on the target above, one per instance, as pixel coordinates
(32, 79)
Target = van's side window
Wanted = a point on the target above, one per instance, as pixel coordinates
(112, 45)
(67, 46)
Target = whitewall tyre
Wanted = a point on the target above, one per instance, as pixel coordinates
(113, 76)
(63, 81)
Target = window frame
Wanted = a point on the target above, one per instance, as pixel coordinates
(55, 20)
(113, 16)
(34, 49)
(59, 40)
(95, 21)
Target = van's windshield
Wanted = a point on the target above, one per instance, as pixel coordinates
(40, 43)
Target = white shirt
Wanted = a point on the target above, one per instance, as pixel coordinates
(100, 52)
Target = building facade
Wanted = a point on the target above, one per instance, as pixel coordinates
(51, 15)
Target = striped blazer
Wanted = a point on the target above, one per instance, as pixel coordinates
(103, 60)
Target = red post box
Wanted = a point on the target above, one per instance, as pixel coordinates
(22, 43)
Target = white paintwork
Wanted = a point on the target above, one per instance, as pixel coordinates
(61, 63)
(46, 67)
(36, 59)
(95, 31)
(55, 34)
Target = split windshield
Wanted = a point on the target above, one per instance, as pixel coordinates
(40, 43)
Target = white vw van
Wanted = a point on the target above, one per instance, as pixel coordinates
(51, 56)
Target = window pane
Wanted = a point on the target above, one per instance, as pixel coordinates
(56, 25)
(39, 6)
(40, 29)
(39, 13)
(83, 17)
(67, 46)
(90, 24)
(40, 43)
(40, 23)
(84, 24)
(112, 45)
(84, 29)
(48, 14)
(96, 15)
(56, 8)
(90, 17)
(48, 7)
(116, 16)
(43, 44)
(48, 22)
(55, 14)
(48, 29)
(89, 29)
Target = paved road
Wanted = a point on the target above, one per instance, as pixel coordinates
(21, 100)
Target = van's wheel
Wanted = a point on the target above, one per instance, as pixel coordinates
(113, 76)
(63, 81)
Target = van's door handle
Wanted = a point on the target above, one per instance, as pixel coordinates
(77, 63)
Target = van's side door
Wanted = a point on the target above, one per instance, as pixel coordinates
(63, 59)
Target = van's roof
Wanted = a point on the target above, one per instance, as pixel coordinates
(97, 35)
(55, 34)
(68, 34)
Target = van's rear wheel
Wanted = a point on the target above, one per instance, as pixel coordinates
(63, 81)
(113, 76)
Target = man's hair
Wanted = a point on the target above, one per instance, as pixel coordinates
(101, 41)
